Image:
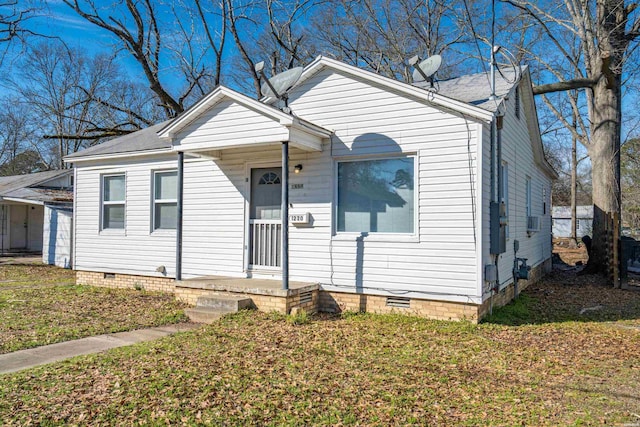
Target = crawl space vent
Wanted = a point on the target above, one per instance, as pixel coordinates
(398, 302)
(306, 297)
(109, 275)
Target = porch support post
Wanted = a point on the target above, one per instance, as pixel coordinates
(179, 216)
(285, 215)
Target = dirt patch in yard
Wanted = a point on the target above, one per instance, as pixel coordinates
(570, 254)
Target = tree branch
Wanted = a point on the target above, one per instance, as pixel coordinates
(566, 85)
(104, 134)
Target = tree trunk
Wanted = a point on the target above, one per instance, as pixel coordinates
(604, 151)
(574, 187)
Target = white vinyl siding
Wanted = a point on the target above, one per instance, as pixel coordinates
(113, 201)
(439, 260)
(528, 195)
(517, 153)
(165, 203)
(442, 258)
(56, 236)
(133, 250)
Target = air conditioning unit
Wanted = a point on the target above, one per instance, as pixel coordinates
(533, 224)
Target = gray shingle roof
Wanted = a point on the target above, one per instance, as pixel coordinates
(15, 182)
(29, 187)
(142, 140)
(474, 89)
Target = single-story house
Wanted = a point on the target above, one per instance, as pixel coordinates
(561, 220)
(366, 193)
(35, 215)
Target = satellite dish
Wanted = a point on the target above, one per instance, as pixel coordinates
(425, 69)
(278, 85)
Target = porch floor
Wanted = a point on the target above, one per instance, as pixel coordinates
(246, 286)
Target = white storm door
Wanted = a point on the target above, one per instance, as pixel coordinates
(265, 218)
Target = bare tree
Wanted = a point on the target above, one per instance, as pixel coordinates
(74, 98)
(380, 35)
(13, 17)
(17, 139)
(604, 34)
(630, 176)
(162, 45)
(272, 31)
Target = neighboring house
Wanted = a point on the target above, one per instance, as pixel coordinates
(29, 219)
(389, 196)
(561, 220)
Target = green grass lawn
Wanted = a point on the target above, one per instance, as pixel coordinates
(12, 275)
(41, 305)
(266, 369)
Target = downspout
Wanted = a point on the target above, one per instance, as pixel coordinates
(499, 122)
(285, 215)
(498, 125)
(494, 198)
(496, 166)
(179, 215)
(73, 217)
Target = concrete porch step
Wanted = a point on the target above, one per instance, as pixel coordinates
(210, 308)
(228, 303)
(204, 315)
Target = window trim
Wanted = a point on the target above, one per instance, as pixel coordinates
(155, 202)
(377, 235)
(104, 202)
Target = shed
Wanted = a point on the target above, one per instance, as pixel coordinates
(561, 220)
(24, 200)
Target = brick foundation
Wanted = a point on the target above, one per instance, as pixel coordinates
(325, 301)
(505, 296)
(338, 302)
(282, 304)
(125, 281)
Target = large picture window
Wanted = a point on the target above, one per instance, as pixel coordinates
(376, 196)
(113, 201)
(165, 200)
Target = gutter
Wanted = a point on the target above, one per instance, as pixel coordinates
(19, 200)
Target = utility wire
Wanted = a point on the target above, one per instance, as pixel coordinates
(475, 39)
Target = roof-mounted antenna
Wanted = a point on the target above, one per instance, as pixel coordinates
(279, 85)
(426, 69)
(509, 62)
(493, 65)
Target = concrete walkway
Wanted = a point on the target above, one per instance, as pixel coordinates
(24, 359)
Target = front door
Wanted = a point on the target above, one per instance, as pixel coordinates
(18, 224)
(265, 220)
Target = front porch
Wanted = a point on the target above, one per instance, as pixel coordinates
(266, 294)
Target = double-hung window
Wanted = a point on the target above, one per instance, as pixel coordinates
(376, 196)
(113, 201)
(165, 200)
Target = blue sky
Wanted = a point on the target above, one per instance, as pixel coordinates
(58, 20)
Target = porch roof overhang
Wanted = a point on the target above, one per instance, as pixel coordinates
(20, 200)
(227, 119)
